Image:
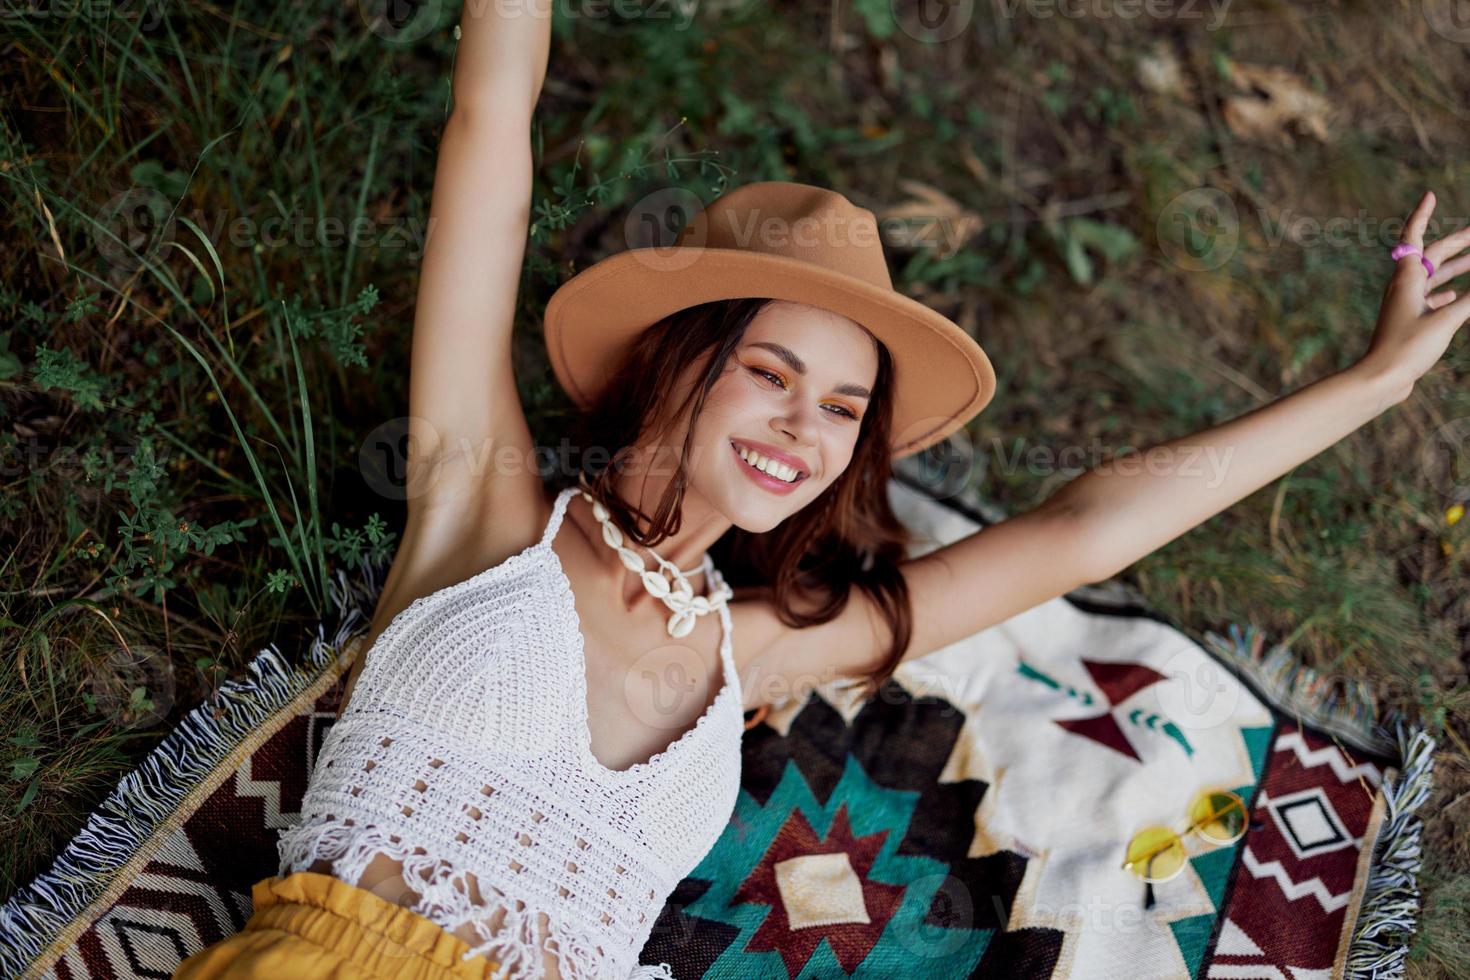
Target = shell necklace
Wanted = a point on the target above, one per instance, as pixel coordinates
(679, 595)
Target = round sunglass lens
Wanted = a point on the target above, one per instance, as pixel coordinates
(1219, 816)
(1155, 854)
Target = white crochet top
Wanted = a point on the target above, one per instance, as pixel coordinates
(465, 752)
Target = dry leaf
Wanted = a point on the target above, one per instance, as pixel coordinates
(1275, 102)
(975, 165)
(932, 219)
(1159, 72)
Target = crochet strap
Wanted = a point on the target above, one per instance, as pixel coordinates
(558, 511)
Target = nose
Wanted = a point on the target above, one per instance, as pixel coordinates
(800, 424)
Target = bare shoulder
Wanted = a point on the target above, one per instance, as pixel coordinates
(777, 661)
(954, 592)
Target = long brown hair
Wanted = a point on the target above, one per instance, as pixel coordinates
(809, 563)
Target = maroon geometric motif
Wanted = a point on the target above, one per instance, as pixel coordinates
(1104, 730)
(851, 941)
(196, 889)
(1119, 681)
(1299, 863)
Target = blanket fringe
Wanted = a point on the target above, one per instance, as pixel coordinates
(1389, 913)
(1346, 708)
(148, 794)
(1390, 910)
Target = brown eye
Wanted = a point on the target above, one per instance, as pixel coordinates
(767, 374)
(762, 372)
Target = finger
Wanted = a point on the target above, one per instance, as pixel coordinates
(1410, 275)
(1448, 246)
(1440, 299)
(1452, 314)
(1444, 273)
(1418, 221)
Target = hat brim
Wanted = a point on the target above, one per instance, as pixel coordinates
(942, 378)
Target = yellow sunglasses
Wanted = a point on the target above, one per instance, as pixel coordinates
(1156, 854)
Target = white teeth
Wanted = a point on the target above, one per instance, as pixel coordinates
(779, 470)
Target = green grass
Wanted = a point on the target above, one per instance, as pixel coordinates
(186, 386)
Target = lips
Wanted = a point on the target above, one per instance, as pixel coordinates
(771, 452)
(772, 483)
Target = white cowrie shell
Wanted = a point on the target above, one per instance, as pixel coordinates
(656, 584)
(678, 597)
(681, 624)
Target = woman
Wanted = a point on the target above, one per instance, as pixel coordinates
(543, 736)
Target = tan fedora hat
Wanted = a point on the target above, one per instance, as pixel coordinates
(783, 240)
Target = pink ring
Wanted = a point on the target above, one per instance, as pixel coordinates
(1404, 248)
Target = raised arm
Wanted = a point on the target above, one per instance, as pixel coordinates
(1141, 502)
(462, 394)
(1089, 530)
(463, 404)
(1118, 512)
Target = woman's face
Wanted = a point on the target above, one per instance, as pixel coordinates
(793, 390)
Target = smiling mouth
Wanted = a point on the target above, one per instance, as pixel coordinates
(790, 483)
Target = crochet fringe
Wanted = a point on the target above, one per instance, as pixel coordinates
(1389, 912)
(444, 898)
(147, 795)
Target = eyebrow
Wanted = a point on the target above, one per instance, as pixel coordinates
(799, 366)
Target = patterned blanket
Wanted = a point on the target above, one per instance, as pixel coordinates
(968, 820)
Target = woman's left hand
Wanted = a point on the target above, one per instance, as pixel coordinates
(1415, 325)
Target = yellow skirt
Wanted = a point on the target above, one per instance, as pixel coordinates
(314, 925)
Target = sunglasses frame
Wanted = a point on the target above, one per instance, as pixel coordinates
(1195, 827)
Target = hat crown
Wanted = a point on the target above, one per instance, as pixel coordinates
(795, 221)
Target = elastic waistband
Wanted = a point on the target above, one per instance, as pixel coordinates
(384, 938)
